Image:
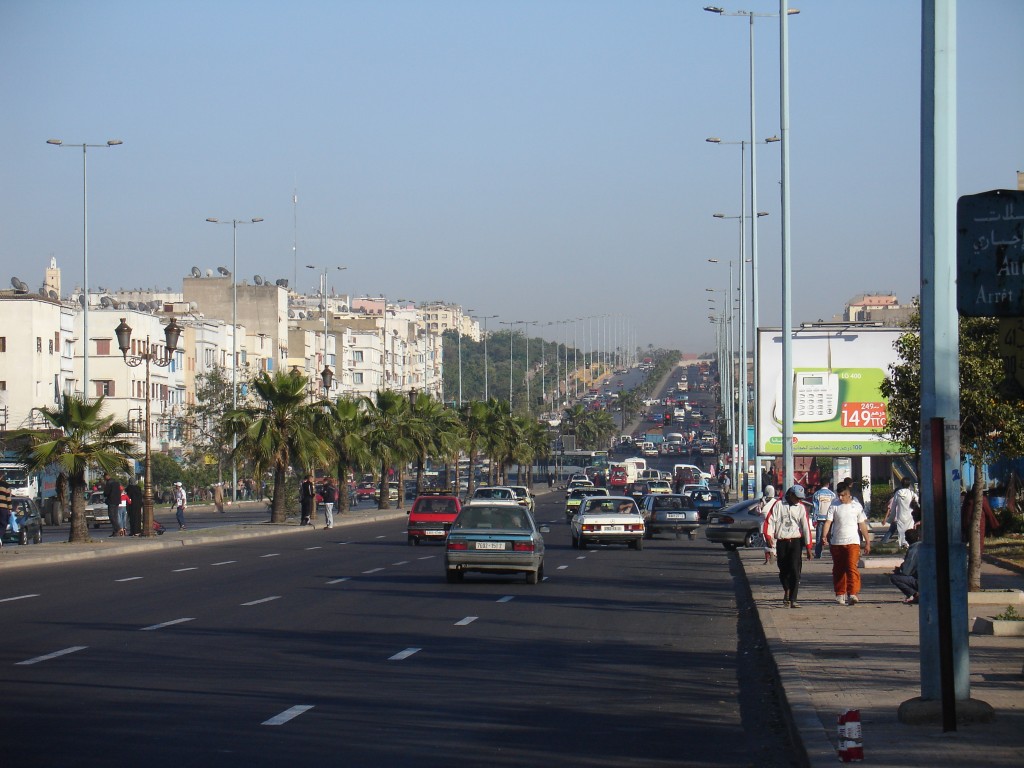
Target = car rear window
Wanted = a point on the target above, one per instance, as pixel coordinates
(482, 517)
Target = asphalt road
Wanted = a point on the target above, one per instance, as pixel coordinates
(347, 647)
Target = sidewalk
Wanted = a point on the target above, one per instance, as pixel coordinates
(831, 658)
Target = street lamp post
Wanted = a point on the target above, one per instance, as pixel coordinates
(461, 315)
(85, 251)
(323, 298)
(234, 334)
(485, 318)
(124, 335)
(511, 333)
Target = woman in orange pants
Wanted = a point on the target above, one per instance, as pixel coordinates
(845, 526)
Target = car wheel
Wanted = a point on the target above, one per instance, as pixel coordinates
(531, 577)
(412, 541)
(637, 544)
(39, 536)
(753, 539)
(22, 536)
(581, 543)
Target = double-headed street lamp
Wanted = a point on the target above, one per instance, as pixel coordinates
(150, 356)
(511, 334)
(234, 333)
(461, 315)
(85, 252)
(485, 318)
(326, 375)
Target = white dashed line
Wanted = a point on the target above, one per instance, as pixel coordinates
(427, 557)
(289, 714)
(165, 624)
(401, 655)
(182, 570)
(225, 562)
(466, 621)
(129, 578)
(263, 600)
(373, 570)
(19, 597)
(382, 537)
(562, 567)
(401, 562)
(53, 655)
(309, 549)
(272, 554)
(582, 557)
(506, 598)
(338, 581)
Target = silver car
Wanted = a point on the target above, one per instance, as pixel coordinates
(494, 537)
(672, 512)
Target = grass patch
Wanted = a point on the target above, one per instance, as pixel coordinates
(1009, 548)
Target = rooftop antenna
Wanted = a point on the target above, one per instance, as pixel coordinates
(295, 234)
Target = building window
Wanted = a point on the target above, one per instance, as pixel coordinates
(102, 346)
(3, 386)
(357, 356)
(3, 343)
(51, 346)
(39, 343)
(104, 388)
(357, 378)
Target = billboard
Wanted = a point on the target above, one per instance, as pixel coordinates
(838, 408)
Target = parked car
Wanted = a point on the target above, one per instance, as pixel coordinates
(29, 520)
(607, 520)
(576, 495)
(737, 525)
(96, 509)
(672, 512)
(392, 492)
(431, 516)
(494, 537)
(707, 501)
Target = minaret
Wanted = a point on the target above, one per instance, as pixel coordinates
(52, 279)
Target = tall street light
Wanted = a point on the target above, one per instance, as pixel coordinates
(323, 299)
(85, 251)
(461, 315)
(234, 334)
(511, 333)
(485, 318)
(163, 359)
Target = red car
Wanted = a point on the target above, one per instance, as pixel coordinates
(431, 516)
(366, 490)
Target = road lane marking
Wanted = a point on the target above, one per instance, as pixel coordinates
(382, 537)
(466, 621)
(582, 557)
(19, 597)
(289, 714)
(506, 598)
(272, 554)
(401, 655)
(427, 557)
(263, 600)
(401, 562)
(225, 562)
(373, 570)
(129, 578)
(312, 548)
(165, 624)
(182, 570)
(49, 656)
(338, 581)
(562, 567)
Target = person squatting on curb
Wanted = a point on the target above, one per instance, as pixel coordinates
(788, 531)
(904, 575)
(845, 526)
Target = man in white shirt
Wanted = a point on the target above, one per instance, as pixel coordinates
(901, 513)
(822, 499)
(788, 532)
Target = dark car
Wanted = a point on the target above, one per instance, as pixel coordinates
(670, 512)
(707, 501)
(29, 521)
(736, 526)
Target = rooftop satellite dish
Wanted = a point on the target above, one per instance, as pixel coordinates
(53, 294)
(258, 279)
(81, 299)
(224, 271)
(132, 305)
(192, 306)
(209, 273)
(19, 285)
(105, 301)
(283, 282)
(291, 314)
(101, 289)
(42, 292)
(196, 272)
(154, 305)
(302, 315)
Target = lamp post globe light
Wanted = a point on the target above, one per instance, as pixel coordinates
(85, 250)
(151, 356)
(323, 307)
(234, 333)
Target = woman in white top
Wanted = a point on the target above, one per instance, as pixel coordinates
(847, 525)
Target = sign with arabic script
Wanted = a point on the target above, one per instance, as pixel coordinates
(990, 254)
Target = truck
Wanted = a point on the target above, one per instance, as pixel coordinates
(22, 482)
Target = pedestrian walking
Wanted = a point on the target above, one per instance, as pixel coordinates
(112, 496)
(901, 513)
(845, 527)
(724, 483)
(904, 575)
(789, 533)
(821, 501)
(330, 496)
(180, 503)
(768, 503)
(134, 507)
(218, 497)
(307, 499)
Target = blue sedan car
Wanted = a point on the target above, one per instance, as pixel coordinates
(494, 537)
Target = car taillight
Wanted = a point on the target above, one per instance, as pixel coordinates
(588, 527)
(635, 527)
(725, 519)
(458, 544)
(522, 546)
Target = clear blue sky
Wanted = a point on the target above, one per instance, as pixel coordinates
(535, 159)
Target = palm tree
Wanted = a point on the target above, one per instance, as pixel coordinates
(388, 438)
(474, 422)
(278, 432)
(435, 432)
(496, 438)
(344, 422)
(80, 438)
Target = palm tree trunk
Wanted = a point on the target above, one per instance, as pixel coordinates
(278, 514)
(342, 469)
(79, 527)
(974, 539)
(383, 492)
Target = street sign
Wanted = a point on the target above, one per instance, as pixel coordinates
(1011, 347)
(990, 254)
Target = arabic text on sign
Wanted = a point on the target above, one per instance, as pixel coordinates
(861, 415)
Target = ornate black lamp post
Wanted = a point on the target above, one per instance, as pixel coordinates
(124, 337)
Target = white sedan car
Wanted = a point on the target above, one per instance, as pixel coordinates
(607, 520)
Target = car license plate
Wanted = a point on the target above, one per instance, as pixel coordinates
(675, 516)
(434, 533)
(490, 545)
(612, 528)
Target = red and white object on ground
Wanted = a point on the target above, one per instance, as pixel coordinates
(851, 743)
